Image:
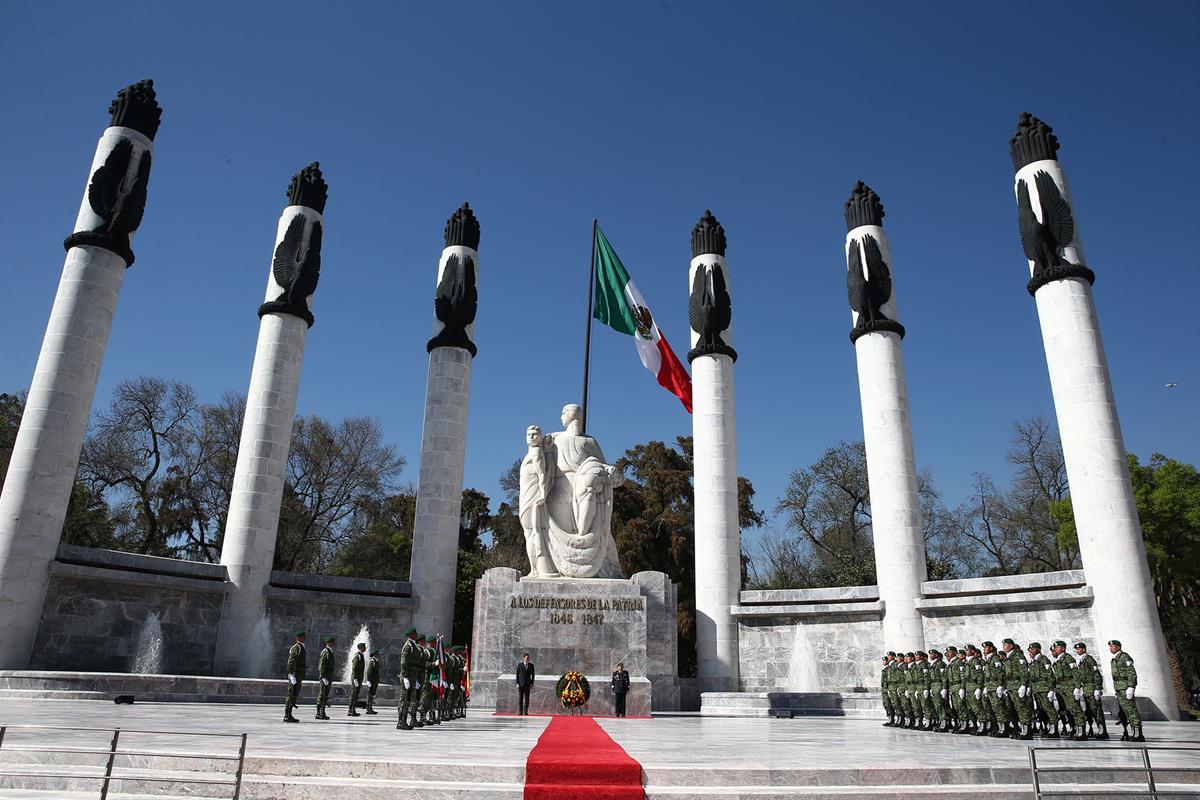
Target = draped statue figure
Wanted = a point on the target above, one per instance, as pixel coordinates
(566, 503)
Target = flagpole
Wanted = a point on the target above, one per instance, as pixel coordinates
(587, 336)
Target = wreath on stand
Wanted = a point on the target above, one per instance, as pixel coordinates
(573, 690)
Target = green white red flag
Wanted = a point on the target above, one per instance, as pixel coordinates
(620, 306)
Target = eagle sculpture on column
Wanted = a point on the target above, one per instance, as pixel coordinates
(455, 304)
(1045, 240)
(868, 290)
(296, 266)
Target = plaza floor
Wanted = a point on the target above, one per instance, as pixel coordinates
(483, 756)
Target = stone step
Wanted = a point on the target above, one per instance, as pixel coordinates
(297, 787)
(1006, 791)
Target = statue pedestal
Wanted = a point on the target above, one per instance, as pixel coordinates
(581, 624)
(543, 700)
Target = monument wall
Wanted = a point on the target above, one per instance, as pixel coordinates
(830, 640)
(99, 601)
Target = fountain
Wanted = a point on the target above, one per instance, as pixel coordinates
(148, 659)
(259, 656)
(802, 668)
(363, 636)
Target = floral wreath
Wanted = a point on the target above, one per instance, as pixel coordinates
(572, 690)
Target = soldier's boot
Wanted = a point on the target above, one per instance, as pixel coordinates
(888, 724)
(1137, 734)
(998, 730)
(287, 714)
(320, 711)
(1079, 735)
(1103, 734)
(353, 710)
(371, 705)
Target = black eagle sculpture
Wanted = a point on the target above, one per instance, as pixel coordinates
(868, 290)
(710, 311)
(297, 272)
(455, 304)
(1045, 241)
(119, 199)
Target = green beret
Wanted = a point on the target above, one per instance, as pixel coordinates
(921, 653)
(422, 637)
(891, 653)
(1079, 645)
(950, 648)
(1059, 643)
(410, 631)
(301, 633)
(988, 644)
(934, 652)
(1009, 641)
(361, 645)
(910, 655)
(969, 647)
(1117, 642)
(329, 639)
(374, 652)
(1035, 645)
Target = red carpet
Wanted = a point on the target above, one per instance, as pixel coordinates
(575, 758)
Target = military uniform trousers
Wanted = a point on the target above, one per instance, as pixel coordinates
(888, 708)
(998, 706)
(979, 705)
(323, 695)
(293, 694)
(1130, 709)
(355, 688)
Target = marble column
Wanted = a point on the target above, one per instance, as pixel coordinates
(248, 549)
(1106, 517)
(714, 443)
(46, 452)
(887, 426)
(434, 568)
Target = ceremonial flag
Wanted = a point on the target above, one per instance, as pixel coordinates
(441, 681)
(619, 305)
(467, 674)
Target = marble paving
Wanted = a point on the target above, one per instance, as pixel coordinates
(682, 755)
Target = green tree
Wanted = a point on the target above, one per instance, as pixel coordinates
(1167, 493)
(381, 547)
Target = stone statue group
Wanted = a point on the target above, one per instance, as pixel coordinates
(566, 503)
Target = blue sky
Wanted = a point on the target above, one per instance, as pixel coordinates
(544, 115)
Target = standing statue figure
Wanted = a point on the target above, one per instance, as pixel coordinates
(577, 501)
(535, 475)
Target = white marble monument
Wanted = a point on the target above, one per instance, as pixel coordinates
(444, 431)
(887, 428)
(248, 549)
(714, 442)
(46, 452)
(1106, 517)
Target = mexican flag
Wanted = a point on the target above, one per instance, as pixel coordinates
(620, 306)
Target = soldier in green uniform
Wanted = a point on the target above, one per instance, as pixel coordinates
(1041, 680)
(325, 673)
(904, 682)
(462, 680)
(295, 674)
(955, 684)
(408, 680)
(994, 690)
(939, 690)
(454, 679)
(1016, 673)
(428, 658)
(1068, 689)
(1124, 677)
(975, 686)
(1092, 683)
(885, 690)
(925, 677)
(372, 681)
(358, 665)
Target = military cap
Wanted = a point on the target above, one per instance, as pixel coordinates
(301, 633)
(988, 644)
(910, 655)
(922, 653)
(374, 652)
(410, 631)
(361, 645)
(951, 648)
(328, 639)
(1059, 643)
(1035, 645)
(1079, 645)
(1117, 642)
(1009, 641)
(891, 653)
(933, 651)
(422, 637)
(969, 647)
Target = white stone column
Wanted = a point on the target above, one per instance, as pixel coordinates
(714, 458)
(887, 427)
(46, 452)
(248, 548)
(436, 523)
(1106, 517)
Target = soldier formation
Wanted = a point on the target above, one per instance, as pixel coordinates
(432, 681)
(1003, 692)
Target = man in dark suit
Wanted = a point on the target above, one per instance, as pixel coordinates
(620, 688)
(524, 683)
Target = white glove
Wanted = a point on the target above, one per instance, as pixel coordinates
(979, 694)
(925, 694)
(1096, 694)
(325, 681)
(407, 683)
(1129, 693)
(999, 691)
(357, 684)
(1050, 696)
(944, 694)
(962, 694)
(1022, 691)
(292, 680)
(1078, 694)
